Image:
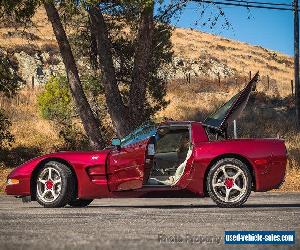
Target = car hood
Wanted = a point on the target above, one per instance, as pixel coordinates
(81, 157)
(232, 109)
(79, 153)
(75, 158)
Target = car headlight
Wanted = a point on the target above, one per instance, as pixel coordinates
(12, 181)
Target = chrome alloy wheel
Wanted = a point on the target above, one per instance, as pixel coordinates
(49, 185)
(229, 183)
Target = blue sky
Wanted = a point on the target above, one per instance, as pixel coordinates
(271, 29)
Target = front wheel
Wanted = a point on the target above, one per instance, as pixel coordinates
(55, 185)
(229, 182)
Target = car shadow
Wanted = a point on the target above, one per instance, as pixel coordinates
(291, 205)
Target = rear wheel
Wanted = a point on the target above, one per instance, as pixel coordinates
(80, 203)
(55, 185)
(229, 182)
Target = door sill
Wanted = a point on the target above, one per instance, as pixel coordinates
(161, 187)
(150, 185)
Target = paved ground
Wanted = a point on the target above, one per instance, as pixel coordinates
(138, 223)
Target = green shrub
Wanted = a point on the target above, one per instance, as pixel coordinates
(55, 102)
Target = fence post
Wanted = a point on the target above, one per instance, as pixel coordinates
(32, 82)
(219, 78)
(250, 75)
(292, 86)
(268, 81)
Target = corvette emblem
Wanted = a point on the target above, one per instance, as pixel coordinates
(95, 157)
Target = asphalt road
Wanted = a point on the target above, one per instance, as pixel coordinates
(140, 223)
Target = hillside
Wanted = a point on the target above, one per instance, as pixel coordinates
(229, 58)
(197, 54)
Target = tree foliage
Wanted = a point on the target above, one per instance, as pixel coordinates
(9, 84)
(124, 45)
(9, 79)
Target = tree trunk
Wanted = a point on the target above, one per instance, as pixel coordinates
(90, 123)
(116, 108)
(93, 49)
(142, 60)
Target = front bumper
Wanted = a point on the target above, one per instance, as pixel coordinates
(20, 189)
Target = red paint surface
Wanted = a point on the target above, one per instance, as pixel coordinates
(126, 166)
(105, 173)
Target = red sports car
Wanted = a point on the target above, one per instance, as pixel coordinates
(174, 159)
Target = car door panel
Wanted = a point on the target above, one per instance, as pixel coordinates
(126, 166)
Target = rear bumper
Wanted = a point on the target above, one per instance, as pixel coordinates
(271, 176)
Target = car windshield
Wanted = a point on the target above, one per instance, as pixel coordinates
(140, 134)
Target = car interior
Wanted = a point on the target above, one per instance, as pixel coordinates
(172, 149)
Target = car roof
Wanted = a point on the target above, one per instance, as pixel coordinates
(178, 123)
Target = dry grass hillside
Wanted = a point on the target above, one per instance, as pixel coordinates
(239, 58)
(195, 52)
(37, 34)
(270, 111)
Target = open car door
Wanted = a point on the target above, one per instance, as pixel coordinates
(231, 110)
(126, 164)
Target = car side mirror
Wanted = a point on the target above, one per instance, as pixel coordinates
(116, 142)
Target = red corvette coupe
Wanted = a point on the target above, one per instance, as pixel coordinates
(174, 159)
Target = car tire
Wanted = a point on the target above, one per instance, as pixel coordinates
(55, 185)
(80, 202)
(229, 182)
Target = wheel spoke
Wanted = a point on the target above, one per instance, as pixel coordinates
(49, 173)
(238, 173)
(219, 184)
(42, 181)
(57, 181)
(53, 194)
(224, 172)
(45, 192)
(236, 187)
(227, 195)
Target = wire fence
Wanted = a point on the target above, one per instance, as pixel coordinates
(266, 83)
